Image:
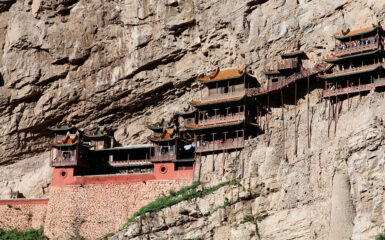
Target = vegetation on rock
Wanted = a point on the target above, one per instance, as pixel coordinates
(31, 234)
(185, 193)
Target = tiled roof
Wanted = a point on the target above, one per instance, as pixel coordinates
(220, 74)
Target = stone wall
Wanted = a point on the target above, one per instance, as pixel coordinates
(95, 210)
(22, 214)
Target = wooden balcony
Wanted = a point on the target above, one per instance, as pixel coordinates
(222, 119)
(355, 89)
(224, 96)
(287, 64)
(217, 145)
(352, 70)
(64, 162)
(163, 158)
(340, 52)
(141, 162)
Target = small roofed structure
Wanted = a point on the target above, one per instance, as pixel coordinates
(99, 138)
(164, 138)
(67, 147)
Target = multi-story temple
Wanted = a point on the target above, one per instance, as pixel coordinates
(229, 111)
(224, 117)
(359, 62)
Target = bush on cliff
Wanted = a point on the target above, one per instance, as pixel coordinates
(185, 193)
(32, 234)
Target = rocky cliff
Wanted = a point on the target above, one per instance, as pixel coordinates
(124, 63)
(333, 190)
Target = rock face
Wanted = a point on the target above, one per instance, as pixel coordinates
(124, 63)
(333, 190)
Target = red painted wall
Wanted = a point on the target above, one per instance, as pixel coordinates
(162, 171)
(23, 201)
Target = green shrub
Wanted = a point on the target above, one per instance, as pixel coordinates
(186, 193)
(248, 218)
(31, 234)
(380, 236)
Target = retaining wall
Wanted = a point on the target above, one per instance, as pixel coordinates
(93, 210)
(22, 214)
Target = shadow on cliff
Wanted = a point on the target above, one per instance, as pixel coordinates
(1, 80)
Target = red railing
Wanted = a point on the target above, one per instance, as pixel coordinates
(288, 64)
(218, 97)
(356, 47)
(222, 119)
(354, 89)
(360, 88)
(218, 145)
(354, 69)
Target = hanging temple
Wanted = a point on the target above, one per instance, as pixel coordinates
(235, 108)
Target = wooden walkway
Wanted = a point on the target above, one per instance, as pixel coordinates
(355, 89)
(304, 73)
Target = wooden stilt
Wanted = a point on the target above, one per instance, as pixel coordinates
(283, 127)
(295, 119)
(308, 112)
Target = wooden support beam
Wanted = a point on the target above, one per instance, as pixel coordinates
(283, 127)
(308, 112)
(295, 119)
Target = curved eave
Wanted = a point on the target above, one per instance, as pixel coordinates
(217, 102)
(343, 37)
(339, 59)
(205, 81)
(161, 140)
(216, 126)
(185, 114)
(62, 129)
(64, 145)
(271, 73)
(293, 54)
(158, 128)
(95, 136)
(350, 74)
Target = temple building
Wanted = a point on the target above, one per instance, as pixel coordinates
(225, 116)
(171, 154)
(68, 150)
(359, 62)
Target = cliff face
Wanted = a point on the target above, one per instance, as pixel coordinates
(333, 190)
(123, 63)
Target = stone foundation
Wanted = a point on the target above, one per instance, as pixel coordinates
(97, 209)
(22, 214)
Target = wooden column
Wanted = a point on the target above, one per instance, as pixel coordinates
(283, 126)
(213, 152)
(295, 119)
(308, 112)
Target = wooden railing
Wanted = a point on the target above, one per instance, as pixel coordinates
(355, 89)
(218, 97)
(294, 77)
(128, 162)
(163, 158)
(65, 159)
(348, 49)
(354, 69)
(218, 145)
(288, 64)
(222, 119)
